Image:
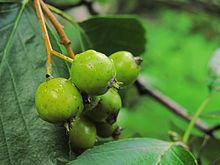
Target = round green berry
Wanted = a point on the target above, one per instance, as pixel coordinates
(127, 69)
(107, 107)
(82, 134)
(57, 100)
(106, 130)
(92, 72)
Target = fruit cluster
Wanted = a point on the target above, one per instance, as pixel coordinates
(89, 101)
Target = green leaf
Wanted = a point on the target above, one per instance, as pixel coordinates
(141, 151)
(11, 1)
(209, 150)
(211, 115)
(62, 2)
(105, 1)
(24, 137)
(111, 34)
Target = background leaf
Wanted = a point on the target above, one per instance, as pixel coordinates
(212, 115)
(108, 34)
(62, 2)
(135, 151)
(176, 63)
(24, 137)
(209, 153)
(10, 1)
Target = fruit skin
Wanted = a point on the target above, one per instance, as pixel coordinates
(127, 69)
(106, 130)
(92, 72)
(108, 106)
(82, 134)
(57, 100)
(130, 97)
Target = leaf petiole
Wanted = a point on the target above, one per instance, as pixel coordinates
(45, 35)
(72, 21)
(59, 28)
(195, 117)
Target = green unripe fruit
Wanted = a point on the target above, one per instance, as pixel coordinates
(57, 100)
(92, 72)
(106, 130)
(107, 108)
(82, 134)
(127, 69)
(130, 96)
(90, 102)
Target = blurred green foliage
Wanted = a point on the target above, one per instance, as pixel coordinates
(179, 47)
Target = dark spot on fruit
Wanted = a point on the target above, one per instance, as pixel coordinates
(47, 76)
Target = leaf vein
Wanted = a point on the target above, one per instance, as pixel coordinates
(6, 141)
(161, 156)
(8, 10)
(11, 36)
(174, 153)
(6, 26)
(18, 101)
(26, 54)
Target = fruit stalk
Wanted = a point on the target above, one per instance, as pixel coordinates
(60, 55)
(195, 117)
(62, 14)
(59, 28)
(72, 21)
(45, 36)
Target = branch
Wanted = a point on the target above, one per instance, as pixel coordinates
(62, 14)
(214, 129)
(45, 36)
(174, 107)
(49, 49)
(192, 6)
(59, 28)
(216, 161)
(87, 3)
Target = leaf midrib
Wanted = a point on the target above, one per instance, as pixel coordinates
(12, 34)
(163, 153)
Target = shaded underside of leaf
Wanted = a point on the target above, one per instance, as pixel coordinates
(61, 2)
(24, 137)
(111, 34)
(138, 151)
(11, 1)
